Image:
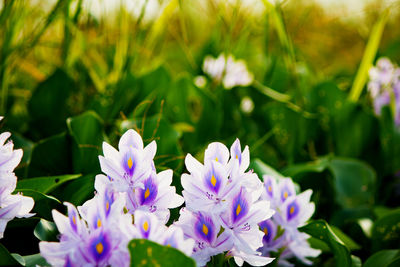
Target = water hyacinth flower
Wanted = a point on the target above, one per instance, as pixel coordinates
(292, 211)
(94, 239)
(227, 70)
(131, 171)
(384, 87)
(11, 206)
(204, 229)
(222, 205)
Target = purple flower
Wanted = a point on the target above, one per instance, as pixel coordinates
(128, 167)
(174, 237)
(204, 228)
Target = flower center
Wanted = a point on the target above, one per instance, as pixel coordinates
(130, 163)
(98, 223)
(99, 248)
(145, 226)
(238, 209)
(146, 193)
(205, 229)
(213, 180)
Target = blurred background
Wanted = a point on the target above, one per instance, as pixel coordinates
(76, 72)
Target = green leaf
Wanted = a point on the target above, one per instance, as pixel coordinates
(46, 231)
(8, 259)
(87, 133)
(354, 182)
(51, 156)
(35, 260)
(261, 168)
(321, 230)
(383, 258)
(44, 204)
(318, 165)
(368, 57)
(79, 190)
(45, 184)
(48, 104)
(386, 231)
(147, 253)
(350, 243)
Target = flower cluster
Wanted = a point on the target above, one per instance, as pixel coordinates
(223, 209)
(384, 87)
(292, 211)
(11, 206)
(227, 70)
(131, 201)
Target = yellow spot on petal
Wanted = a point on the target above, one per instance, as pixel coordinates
(213, 180)
(205, 229)
(99, 248)
(291, 210)
(238, 209)
(216, 158)
(98, 223)
(107, 206)
(145, 226)
(285, 195)
(237, 157)
(265, 230)
(130, 163)
(74, 220)
(269, 188)
(147, 193)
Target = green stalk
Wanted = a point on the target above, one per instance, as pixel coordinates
(368, 57)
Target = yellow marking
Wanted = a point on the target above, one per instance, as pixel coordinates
(265, 230)
(213, 180)
(130, 163)
(107, 206)
(98, 223)
(145, 226)
(205, 229)
(216, 158)
(147, 193)
(269, 188)
(291, 210)
(238, 209)
(285, 195)
(99, 248)
(74, 220)
(237, 157)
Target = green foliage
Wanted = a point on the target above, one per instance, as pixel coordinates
(147, 253)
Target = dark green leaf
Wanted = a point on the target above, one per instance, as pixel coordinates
(382, 258)
(45, 184)
(51, 156)
(87, 133)
(386, 231)
(261, 168)
(7, 259)
(147, 253)
(322, 231)
(48, 104)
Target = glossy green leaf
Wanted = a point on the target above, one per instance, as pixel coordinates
(87, 133)
(78, 190)
(44, 204)
(321, 230)
(318, 165)
(46, 231)
(147, 253)
(350, 243)
(45, 184)
(8, 259)
(35, 260)
(383, 258)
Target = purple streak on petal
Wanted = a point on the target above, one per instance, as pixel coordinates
(204, 228)
(73, 219)
(237, 152)
(100, 247)
(292, 210)
(150, 191)
(285, 193)
(240, 206)
(171, 241)
(268, 188)
(267, 227)
(108, 201)
(129, 163)
(213, 179)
